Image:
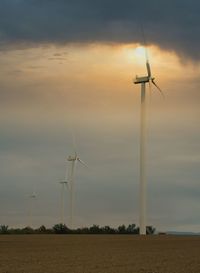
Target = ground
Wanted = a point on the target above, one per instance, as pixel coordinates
(99, 254)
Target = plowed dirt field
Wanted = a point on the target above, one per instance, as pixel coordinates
(99, 254)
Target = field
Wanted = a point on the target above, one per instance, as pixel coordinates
(99, 254)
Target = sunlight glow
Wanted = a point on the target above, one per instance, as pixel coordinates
(108, 67)
(139, 52)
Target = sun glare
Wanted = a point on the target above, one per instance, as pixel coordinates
(135, 54)
(139, 52)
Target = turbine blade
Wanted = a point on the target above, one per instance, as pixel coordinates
(68, 172)
(148, 68)
(158, 88)
(146, 53)
(74, 143)
(82, 162)
(143, 35)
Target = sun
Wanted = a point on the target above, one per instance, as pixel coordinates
(139, 52)
(135, 54)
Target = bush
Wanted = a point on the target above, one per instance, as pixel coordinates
(61, 229)
(4, 229)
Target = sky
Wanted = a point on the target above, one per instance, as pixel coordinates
(67, 70)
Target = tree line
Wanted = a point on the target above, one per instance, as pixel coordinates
(63, 229)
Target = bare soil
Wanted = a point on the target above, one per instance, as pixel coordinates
(99, 254)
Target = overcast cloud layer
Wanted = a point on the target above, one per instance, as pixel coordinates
(170, 24)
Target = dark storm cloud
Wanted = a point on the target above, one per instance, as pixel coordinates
(171, 24)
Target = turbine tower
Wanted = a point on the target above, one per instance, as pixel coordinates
(64, 185)
(72, 160)
(142, 192)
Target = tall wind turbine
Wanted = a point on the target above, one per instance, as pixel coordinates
(143, 80)
(72, 160)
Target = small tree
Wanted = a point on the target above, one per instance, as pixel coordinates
(131, 229)
(42, 229)
(83, 230)
(150, 230)
(4, 229)
(108, 230)
(27, 230)
(95, 229)
(122, 229)
(61, 229)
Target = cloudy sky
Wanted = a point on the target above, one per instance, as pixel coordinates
(66, 70)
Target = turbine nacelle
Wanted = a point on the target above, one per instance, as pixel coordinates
(33, 195)
(144, 79)
(76, 158)
(63, 182)
(72, 158)
(148, 79)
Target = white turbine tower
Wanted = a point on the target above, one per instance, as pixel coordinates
(72, 160)
(64, 185)
(143, 80)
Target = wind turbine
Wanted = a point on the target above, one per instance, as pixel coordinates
(143, 80)
(32, 198)
(72, 160)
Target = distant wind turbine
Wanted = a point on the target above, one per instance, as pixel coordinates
(31, 198)
(143, 80)
(72, 160)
